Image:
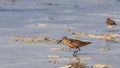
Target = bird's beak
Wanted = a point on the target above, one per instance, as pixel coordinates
(59, 41)
(73, 33)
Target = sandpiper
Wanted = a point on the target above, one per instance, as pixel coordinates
(73, 43)
(110, 23)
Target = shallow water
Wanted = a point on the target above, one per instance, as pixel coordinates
(21, 17)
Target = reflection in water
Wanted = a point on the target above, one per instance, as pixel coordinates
(75, 64)
(78, 65)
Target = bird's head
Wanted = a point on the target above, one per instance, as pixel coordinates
(63, 38)
(108, 18)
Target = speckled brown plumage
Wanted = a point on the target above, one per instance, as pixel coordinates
(110, 23)
(74, 43)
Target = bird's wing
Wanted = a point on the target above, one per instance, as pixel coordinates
(113, 22)
(76, 42)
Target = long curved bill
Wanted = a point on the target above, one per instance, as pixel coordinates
(59, 41)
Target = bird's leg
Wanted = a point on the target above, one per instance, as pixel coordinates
(75, 52)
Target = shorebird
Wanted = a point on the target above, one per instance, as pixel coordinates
(73, 43)
(110, 23)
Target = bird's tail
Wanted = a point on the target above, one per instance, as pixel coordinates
(86, 43)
